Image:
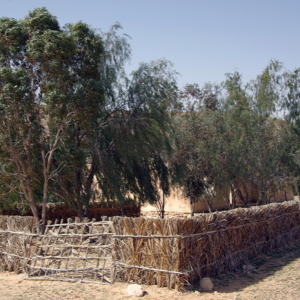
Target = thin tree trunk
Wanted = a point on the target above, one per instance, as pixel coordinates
(44, 205)
(261, 198)
(285, 196)
(241, 196)
(80, 212)
(88, 191)
(234, 200)
(78, 194)
(32, 204)
(34, 209)
(209, 206)
(298, 191)
(163, 207)
(25, 182)
(47, 161)
(233, 195)
(192, 206)
(225, 198)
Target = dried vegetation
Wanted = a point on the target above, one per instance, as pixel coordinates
(166, 252)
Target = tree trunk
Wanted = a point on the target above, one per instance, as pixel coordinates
(209, 206)
(192, 206)
(241, 196)
(31, 201)
(88, 191)
(298, 191)
(34, 208)
(285, 196)
(226, 198)
(80, 212)
(45, 200)
(45, 192)
(86, 212)
(78, 194)
(233, 197)
(163, 207)
(27, 189)
(261, 197)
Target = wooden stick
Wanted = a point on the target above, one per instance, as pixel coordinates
(150, 269)
(66, 257)
(76, 246)
(19, 232)
(15, 255)
(88, 223)
(67, 280)
(70, 270)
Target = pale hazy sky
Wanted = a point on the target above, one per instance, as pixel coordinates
(203, 38)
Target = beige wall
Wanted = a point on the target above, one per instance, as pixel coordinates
(218, 204)
(178, 205)
(279, 196)
(175, 203)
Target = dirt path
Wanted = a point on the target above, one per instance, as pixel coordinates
(276, 276)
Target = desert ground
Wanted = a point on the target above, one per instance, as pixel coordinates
(276, 276)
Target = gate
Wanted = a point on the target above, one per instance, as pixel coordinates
(75, 252)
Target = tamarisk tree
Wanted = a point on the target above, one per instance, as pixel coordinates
(73, 126)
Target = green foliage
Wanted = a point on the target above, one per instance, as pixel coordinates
(75, 127)
(199, 136)
(78, 116)
(235, 143)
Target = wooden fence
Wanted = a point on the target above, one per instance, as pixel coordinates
(73, 252)
(172, 252)
(167, 252)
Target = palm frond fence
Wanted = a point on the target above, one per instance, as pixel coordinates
(165, 252)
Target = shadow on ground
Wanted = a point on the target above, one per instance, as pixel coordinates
(267, 266)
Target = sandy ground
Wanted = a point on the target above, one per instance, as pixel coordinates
(276, 276)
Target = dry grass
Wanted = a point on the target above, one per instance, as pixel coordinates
(176, 251)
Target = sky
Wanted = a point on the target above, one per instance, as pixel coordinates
(204, 39)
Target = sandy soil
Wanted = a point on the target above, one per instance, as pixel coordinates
(276, 276)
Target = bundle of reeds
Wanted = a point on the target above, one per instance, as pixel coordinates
(20, 223)
(18, 242)
(220, 242)
(147, 251)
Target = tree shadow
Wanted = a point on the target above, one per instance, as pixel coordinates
(265, 265)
